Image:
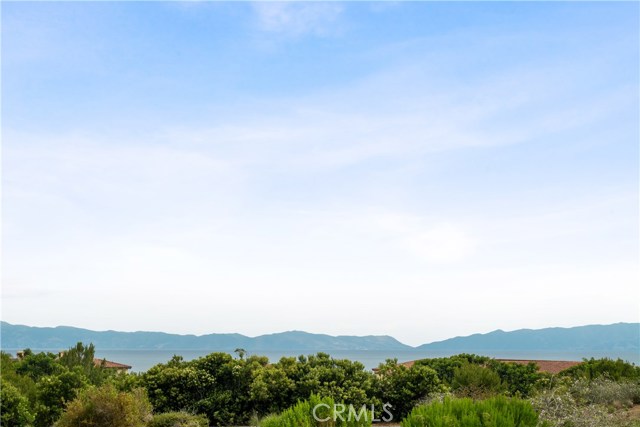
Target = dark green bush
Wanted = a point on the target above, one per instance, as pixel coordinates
(403, 387)
(14, 410)
(613, 369)
(445, 366)
(178, 419)
(476, 381)
(495, 412)
(519, 380)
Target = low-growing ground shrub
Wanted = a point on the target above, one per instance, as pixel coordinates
(178, 419)
(607, 392)
(497, 411)
(558, 408)
(302, 415)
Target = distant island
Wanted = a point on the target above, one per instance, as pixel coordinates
(614, 337)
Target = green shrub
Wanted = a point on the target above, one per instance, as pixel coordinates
(613, 369)
(495, 412)
(606, 392)
(107, 407)
(557, 407)
(519, 380)
(178, 419)
(476, 381)
(54, 392)
(445, 367)
(14, 407)
(403, 387)
(302, 415)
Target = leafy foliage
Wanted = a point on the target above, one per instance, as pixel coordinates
(228, 390)
(518, 380)
(445, 367)
(609, 368)
(14, 407)
(54, 392)
(37, 365)
(476, 381)
(42, 389)
(560, 407)
(495, 412)
(403, 387)
(107, 407)
(178, 419)
(302, 415)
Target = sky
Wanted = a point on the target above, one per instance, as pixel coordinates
(419, 170)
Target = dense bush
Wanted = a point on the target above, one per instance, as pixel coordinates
(609, 368)
(518, 380)
(445, 367)
(231, 391)
(54, 392)
(14, 407)
(178, 419)
(302, 415)
(476, 381)
(498, 411)
(228, 390)
(403, 387)
(107, 407)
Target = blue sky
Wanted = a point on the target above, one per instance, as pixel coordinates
(421, 170)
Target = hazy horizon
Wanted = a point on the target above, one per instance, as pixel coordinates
(321, 333)
(419, 170)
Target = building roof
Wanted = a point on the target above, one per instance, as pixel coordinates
(110, 365)
(549, 366)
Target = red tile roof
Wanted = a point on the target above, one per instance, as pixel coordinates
(550, 366)
(110, 365)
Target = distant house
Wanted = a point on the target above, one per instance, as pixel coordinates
(106, 364)
(101, 363)
(548, 366)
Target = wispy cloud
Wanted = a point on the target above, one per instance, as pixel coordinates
(452, 168)
(298, 18)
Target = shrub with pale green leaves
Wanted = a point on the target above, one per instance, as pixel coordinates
(607, 392)
(497, 411)
(105, 406)
(302, 415)
(557, 407)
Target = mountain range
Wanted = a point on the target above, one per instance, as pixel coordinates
(614, 337)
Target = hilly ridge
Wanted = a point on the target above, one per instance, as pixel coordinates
(20, 336)
(614, 337)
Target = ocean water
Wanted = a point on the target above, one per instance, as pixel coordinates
(142, 360)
